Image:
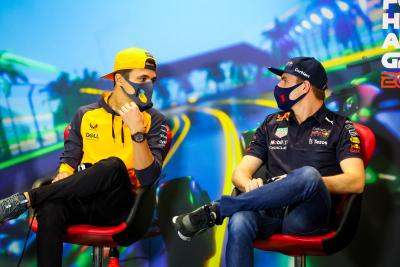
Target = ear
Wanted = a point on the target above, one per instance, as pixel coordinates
(118, 79)
(307, 86)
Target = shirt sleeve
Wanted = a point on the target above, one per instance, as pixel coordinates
(349, 144)
(156, 140)
(72, 154)
(258, 146)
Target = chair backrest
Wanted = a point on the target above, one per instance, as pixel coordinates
(346, 208)
(368, 142)
(339, 202)
(141, 214)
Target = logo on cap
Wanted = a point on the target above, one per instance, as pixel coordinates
(302, 72)
(148, 54)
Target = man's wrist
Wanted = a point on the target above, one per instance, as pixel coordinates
(138, 137)
(136, 130)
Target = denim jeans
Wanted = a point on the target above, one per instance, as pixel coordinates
(298, 204)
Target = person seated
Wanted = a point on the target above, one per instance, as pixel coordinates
(123, 137)
(308, 151)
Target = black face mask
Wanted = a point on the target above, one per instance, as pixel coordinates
(282, 97)
(142, 95)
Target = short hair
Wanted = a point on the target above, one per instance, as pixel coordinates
(123, 73)
(318, 93)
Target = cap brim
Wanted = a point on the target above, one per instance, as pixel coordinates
(276, 71)
(109, 76)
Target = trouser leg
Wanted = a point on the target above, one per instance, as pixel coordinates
(100, 195)
(243, 228)
(53, 218)
(105, 175)
(299, 185)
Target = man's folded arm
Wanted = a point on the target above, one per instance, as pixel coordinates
(156, 141)
(245, 170)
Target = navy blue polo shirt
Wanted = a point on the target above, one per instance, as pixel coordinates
(321, 141)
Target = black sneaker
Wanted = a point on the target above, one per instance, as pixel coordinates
(12, 206)
(191, 224)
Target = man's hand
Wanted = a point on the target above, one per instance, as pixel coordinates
(245, 171)
(253, 184)
(60, 176)
(132, 117)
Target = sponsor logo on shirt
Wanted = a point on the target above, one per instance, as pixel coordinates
(355, 148)
(278, 144)
(320, 132)
(93, 126)
(93, 136)
(283, 117)
(350, 128)
(281, 132)
(319, 136)
(313, 141)
(163, 136)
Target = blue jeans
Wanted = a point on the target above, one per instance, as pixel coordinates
(262, 212)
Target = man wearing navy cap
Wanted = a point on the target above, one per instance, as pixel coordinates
(308, 151)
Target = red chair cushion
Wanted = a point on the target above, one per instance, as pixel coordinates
(90, 235)
(294, 245)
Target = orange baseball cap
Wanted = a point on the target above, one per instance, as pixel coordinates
(132, 58)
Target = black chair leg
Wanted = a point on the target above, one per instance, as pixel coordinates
(300, 261)
(97, 256)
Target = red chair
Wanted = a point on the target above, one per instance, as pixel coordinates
(346, 210)
(126, 233)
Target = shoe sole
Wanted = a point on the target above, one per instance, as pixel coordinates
(187, 238)
(183, 237)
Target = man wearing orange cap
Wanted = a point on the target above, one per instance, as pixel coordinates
(121, 137)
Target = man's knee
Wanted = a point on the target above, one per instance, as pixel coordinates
(113, 165)
(114, 162)
(310, 172)
(308, 175)
(243, 223)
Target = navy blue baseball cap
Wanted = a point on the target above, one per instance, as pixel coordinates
(307, 68)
